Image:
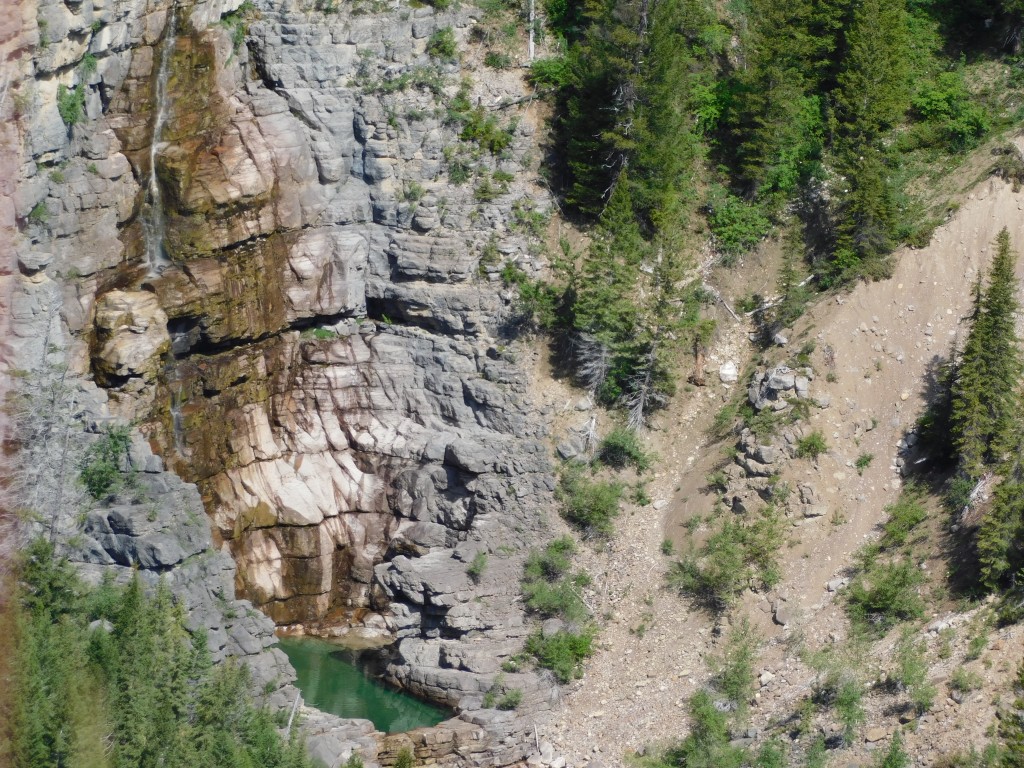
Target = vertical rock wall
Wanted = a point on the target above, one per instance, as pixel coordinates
(326, 358)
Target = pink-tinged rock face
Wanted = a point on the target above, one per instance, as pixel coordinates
(131, 337)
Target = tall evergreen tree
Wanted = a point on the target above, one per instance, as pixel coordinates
(873, 90)
(1011, 727)
(871, 96)
(986, 381)
(779, 127)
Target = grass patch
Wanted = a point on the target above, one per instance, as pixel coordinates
(563, 652)
(549, 588)
(883, 595)
(621, 448)
(744, 552)
(812, 446)
(589, 505)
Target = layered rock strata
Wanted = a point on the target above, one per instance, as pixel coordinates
(323, 358)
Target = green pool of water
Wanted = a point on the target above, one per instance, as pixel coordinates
(332, 680)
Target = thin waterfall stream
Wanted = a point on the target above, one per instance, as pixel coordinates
(154, 226)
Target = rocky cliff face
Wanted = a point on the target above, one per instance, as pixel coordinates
(318, 346)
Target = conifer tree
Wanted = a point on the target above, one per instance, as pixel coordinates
(873, 90)
(779, 125)
(986, 382)
(1011, 727)
(1000, 537)
(1005, 365)
(872, 95)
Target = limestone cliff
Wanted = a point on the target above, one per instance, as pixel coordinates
(317, 341)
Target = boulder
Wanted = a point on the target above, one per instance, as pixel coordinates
(728, 372)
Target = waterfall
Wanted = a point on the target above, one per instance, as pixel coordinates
(154, 226)
(177, 418)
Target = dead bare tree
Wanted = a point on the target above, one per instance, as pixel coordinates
(593, 361)
(644, 394)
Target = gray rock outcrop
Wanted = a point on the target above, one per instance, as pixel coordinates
(324, 364)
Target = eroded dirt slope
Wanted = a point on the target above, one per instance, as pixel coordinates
(887, 338)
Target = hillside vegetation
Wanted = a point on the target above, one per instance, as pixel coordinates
(825, 121)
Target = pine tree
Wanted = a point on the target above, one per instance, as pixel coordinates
(605, 304)
(1011, 727)
(1005, 365)
(1000, 535)
(871, 96)
(985, 387)
(873, 90)
(779, 128)
(968, 416)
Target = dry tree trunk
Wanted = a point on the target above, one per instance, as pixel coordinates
(698, 377)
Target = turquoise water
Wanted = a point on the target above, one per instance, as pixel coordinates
(331, 680)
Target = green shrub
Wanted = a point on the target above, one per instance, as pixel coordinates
(554, 72)
(563, 652)
(708, 745)
(100, 470)
(849, 708)
(884, 595)
(590, 505)
(355, 760)
(863, 462)
(496, 60)
(71, 104)
(811, 446)
(486, 192)
(772, 755)
(965, 680)
(405, 758)
(459, 172)
(667, 548)
(548, 587)
(894, 757)
(740, 553)
(413, 192)
(477, 567)
(511, 700)
(89, 64)
(734, 673)
(905, 515)
(441, 5)
(736, 225)
(442, 45)
(553, 562)
(950, 118)
(485, 130)
(912, 671)
(39, 214)
(621, 448)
